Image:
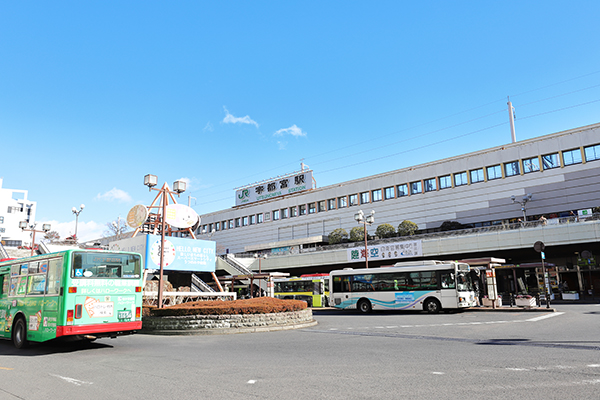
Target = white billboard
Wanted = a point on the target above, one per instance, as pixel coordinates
(387, 251)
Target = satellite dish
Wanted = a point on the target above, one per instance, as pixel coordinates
(181, 216)
(137, 216)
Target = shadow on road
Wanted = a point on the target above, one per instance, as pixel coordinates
(51, 347)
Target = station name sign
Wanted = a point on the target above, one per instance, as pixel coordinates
(276, 187)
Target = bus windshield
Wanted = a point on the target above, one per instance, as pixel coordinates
(106, 265)
(463, 281)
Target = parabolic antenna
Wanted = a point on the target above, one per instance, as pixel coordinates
(181, 216)
(137, 216)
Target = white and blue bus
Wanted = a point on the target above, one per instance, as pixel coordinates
(431, 286)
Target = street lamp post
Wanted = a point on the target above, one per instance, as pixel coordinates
(23, 226)
(178, 188)
(365, 220)
(76, 212)
(527, 198)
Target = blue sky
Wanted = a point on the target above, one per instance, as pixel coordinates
(95, 95)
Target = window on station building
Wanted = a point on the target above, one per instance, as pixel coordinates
(592, 153)
(364, 198)
(353, 200)
(244, 222)
(285, 213)
(494, 172)
(322, 206)
(445, 182)
(302, 209)
(252, 219)
(389, 193)
(531, 165)
(376, 195)
(259, 218)
(275, 215)
(342, 202)
(237, 222)
(230, 224)
(402, 190)
(511, 168)
(430, 185)
(571, 157)
(217, 226)
(477, 175)
(312, 208)
(550, 161)
(331, 204)
(416, 187)
(460, 179)
(293, 212)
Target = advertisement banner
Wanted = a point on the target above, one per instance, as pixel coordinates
(387, 251)
(181, 254)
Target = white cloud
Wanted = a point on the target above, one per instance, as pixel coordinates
(230, 119)
(281, 145)
(292, 130)
(86, 231)
(208, 127)
(115, 194)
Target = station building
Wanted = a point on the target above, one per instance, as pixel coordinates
(504, 198)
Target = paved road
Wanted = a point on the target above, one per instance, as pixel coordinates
(470, 355)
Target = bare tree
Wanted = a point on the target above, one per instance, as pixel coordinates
(116, 228)
(53, 236)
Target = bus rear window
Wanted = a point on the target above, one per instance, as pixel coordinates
(106, 265)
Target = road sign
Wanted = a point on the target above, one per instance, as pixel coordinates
(539, 246)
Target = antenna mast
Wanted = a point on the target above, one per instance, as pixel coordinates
(511, 117)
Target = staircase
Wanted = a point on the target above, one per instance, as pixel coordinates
(198, 285)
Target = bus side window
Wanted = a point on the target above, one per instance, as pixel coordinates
(54, 276)
(447, 278)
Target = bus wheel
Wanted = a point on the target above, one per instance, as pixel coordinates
(19, 335)
(364, 306)
(432, 306)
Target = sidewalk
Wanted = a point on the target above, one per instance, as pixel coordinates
(543, 308)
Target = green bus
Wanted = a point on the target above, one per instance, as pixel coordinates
(311, 288)
(77, 294)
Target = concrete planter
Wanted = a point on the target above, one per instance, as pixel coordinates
(525, 302)
(489, 303)
(224, 324)
(570, 296)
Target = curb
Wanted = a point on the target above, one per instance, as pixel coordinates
(228, 331)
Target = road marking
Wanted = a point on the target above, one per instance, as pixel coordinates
(438, 373)
(517, 369)
(7, 369)
(594, 365)
(74, 381)
(536, 319)
(251, 381)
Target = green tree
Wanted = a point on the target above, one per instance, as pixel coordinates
(337, 236)
(357, 234)
(407, 228)
(385, 231)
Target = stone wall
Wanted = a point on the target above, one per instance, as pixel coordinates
(224, 324)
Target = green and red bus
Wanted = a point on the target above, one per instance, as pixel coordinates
(77, 294)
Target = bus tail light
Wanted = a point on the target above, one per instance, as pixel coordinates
(138, 312)
(138, 289)
(69, 317)
(78, 309)
(72, 289)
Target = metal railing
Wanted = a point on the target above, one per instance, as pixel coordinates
(173, 298)
(452, 233)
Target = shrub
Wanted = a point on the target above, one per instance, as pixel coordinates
(451, 226)
(385, 231)
(407, 228)
(357, 234)
(258, 305)
(337, 236)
